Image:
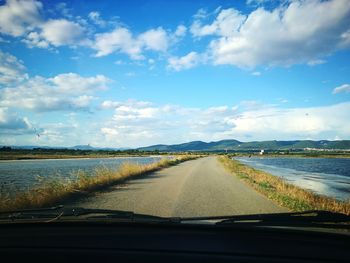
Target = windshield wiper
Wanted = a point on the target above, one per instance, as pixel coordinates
(313, 218)
(29, 213)
(59, 212)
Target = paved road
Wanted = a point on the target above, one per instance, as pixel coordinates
(194, 188)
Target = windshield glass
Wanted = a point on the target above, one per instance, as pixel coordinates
(175, 108)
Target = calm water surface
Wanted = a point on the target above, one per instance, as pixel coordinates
(326, 176)
(23, 174)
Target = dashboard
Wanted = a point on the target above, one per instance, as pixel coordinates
(131, 242)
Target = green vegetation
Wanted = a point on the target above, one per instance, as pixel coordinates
(7, 153)
(285, 194)
(292, 154)
(233, 147)
(237, 146)
(53, 191)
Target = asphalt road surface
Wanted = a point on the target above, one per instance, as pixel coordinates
(199, 187)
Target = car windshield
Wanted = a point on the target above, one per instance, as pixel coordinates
(175, 111)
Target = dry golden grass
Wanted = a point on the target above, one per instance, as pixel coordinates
(285, 194)
(52, 191)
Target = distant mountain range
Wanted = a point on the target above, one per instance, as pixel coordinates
(223, 145)
(234, 145)
(76, 147)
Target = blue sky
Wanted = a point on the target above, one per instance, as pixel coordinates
(135, 73)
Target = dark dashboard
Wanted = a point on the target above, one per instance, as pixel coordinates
(138, 242)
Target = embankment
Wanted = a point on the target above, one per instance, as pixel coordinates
(53, 191)
(282, 192)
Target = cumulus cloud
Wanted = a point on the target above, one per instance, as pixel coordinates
(154, 39)
(138, 123)
(19, 16)
(212, 122)
(302, 123)
(188, 61)
(122, 40)
(57, 32)
(76, 84)
(60, 32)
(343, 88)
(135, 122)
(34, 39)
(11, 123)
(63, 92)
(226, 23)
(11, 69)
(298, 32)
(119, 40)
(132, 109)
(66, 91)
(108, 104)
(22, 18)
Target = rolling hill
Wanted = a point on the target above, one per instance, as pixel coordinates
(234, 145)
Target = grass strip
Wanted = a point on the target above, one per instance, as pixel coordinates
(53, 191)
(282, 192)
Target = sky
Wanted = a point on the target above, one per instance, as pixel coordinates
(137, 73)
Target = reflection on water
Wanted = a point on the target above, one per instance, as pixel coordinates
(23, 174)
(327, 176)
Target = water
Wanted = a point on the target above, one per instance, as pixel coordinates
(326, 176)
(23, 174)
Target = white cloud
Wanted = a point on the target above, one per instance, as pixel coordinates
(59, 32)
(82, 102)
(108, 104)
(155, 39)
(11, 123)
(95, 17)
(226, 23)
(343, 88)
(76, 84)
(139, 122)
(180, 31)
(22, 18)
(34, 39)
(200, 14)
(298, 32)
(136, 123)
(301, 123)
(19, 16)
(121, 40)
(63, 92)
(11, 69)
(131, 109)
(188, 61)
